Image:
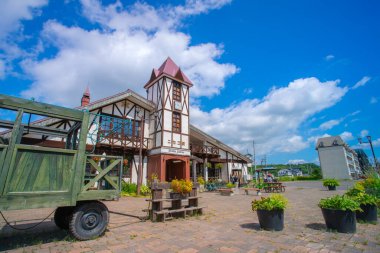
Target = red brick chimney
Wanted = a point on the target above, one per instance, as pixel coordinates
(85, 98)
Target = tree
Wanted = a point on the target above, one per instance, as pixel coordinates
(363, 160)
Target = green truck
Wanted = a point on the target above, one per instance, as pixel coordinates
(46, 165)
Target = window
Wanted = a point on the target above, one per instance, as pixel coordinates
(176, 121)
(177, 91)
(119, 127)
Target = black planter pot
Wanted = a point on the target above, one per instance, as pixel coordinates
(341, 221)
(369, 213)
(331, 188)
(271, 220)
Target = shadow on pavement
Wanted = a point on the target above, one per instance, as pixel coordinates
(39, 235)
(316, 226)
(255, 226)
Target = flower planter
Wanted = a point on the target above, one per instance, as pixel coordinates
(369, 213)
(341, 221)
(331, 187)
(226, 192)
(271, 220)
(176, 195)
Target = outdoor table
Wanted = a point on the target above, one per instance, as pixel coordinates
(274, 187)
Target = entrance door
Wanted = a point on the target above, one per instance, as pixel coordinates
(175, 169)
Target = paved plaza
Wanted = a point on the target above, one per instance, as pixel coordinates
(228, 225)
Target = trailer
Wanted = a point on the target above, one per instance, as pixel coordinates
(43, 165)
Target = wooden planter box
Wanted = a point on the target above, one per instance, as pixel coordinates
(226, 192)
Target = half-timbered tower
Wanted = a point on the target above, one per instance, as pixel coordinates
(168, 88)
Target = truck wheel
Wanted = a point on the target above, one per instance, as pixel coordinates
(89, 220)
(62, 216)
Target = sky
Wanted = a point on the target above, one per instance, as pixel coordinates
(279, 73)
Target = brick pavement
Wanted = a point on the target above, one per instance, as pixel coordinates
(228, 225)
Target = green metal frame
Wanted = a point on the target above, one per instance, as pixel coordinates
(35, 177)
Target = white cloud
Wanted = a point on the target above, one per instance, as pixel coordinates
(248, 91)
(11, 30)
(329, 57)
(363, 133)
(361, 82)
(297, 161)
(373, 100)
(272, 122)
(329, 124)
(11, 12)
(347, 136)
(122, 55)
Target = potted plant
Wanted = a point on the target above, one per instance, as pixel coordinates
(181, 188)
(368, 203)
(270, 211)
(228, 191)
(331, 183)
(201, 182)
(339, 213)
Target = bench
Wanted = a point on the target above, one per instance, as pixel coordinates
(163, 215)
(226, 191)
(246, 190)
(275, 188)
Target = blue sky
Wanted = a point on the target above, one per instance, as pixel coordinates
(280, 72)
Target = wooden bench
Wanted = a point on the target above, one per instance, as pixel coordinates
(274, 188)
(246, 190)
(164, 215)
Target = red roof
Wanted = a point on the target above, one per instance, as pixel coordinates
(171, 69)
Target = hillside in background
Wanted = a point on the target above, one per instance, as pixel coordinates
(306, 168)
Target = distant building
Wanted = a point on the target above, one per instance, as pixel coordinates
(337, 159)
(290, 172)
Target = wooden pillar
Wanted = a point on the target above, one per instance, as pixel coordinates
(194, 165)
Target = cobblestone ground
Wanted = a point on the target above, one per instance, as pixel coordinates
(228, 225)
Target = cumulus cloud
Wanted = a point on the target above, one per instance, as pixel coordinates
(121, 54)
(329, 57)
(273, 121)
(11, 29)
(361, 82)
(363, 133)
(297, 161)
(347, 136)
(329, 124)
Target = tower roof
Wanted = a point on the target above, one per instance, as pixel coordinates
(87, 91)
(169, 68)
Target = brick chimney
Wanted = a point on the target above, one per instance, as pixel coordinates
(85, 98)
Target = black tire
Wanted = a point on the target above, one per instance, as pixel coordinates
(62, 216)
(89, 220)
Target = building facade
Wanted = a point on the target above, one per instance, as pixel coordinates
(337, 159)
(154, 132)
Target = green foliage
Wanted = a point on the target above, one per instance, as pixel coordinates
(307, 178)
(316, 173)
(273, 202)
(208, 165)
(201, 180)
(330, 182)
(286, 179)
(358, 194)
(128, 188)
(145, 190)
(372, 186)
(230, 185)
(259, 185)
(339, 202)
(218, 166)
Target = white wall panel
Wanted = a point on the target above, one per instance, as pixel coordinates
(185, 124)
(176, 140)
(167, 138)
(158, 139)
(168, 120)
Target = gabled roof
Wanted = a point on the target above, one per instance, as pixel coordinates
(330, 142)
(217, 143)
(170, 69)
(131, 95)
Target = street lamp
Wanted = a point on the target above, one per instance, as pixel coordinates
(370, 143)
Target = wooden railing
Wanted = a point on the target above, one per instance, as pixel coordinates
(104, 182)
(197, 149)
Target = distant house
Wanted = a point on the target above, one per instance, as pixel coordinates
(337, 159)
(290, 172)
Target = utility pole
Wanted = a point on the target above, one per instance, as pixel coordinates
(373, 152)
